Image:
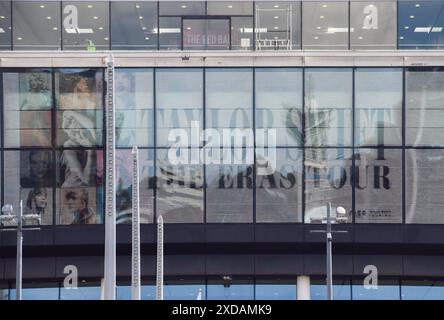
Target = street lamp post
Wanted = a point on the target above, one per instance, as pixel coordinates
(340, 217)
(7, 216)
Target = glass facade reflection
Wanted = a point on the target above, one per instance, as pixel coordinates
(221, 25)
(204, 136)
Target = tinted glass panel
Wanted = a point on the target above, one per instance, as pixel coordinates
(230, 8)
(279, 192)
(134, 107)
(229, 100)
(279, 104)
(79, 97)
(420, 24)
(386, 290)
(325, 25)
(134, 25)
(341, 290)
(422, 290)
(328, 107)
(230, 292)
(5, 25)
(86, 25)
(230, 186)
(206, 34)
(179, 100)
(278, 25)
(170, 33)
(378, 188)
(424, 107)
(241, 33)
(424, 186)
(27, 108)
(179, 187)
(373, 25)
(378, 106)
(36, 25)
(275, 291)
(327, 179)
(30, 176)
(181, 8)
(124, 189)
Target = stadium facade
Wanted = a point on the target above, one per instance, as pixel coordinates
(353, 90)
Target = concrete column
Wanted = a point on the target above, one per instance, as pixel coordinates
(303, 288)
(102, 289)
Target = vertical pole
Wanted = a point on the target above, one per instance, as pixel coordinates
(18, 273)
(329, 255)
(135, 261)
(159, 274)
(303, 288)
(110, 199)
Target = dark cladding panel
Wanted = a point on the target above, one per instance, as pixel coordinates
(379, 234)
(315, 264)
(33, 268)
(387, 265)
(279, 232)
(76, 235)
(184, 265)
(278, 264)
(44, 236)
(423, 266)
(241, 264)
(87, 267)
(229, 233)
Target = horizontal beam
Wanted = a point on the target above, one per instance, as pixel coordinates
(324, 58)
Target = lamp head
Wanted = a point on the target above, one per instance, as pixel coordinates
(340, 211)
(7, 209)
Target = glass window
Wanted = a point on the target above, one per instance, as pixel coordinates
(328, 107)
(420, 25)
(206, 34)
(147, 292)
(279, 191)
(4, 291)
(229, 181)
(424, 185)
(386, 290)
(79, 96)
(134, 25)
(38, 291)
(27, 108)
(30, 178)
(378, 185)
(424, 107)
(327, 179)
(422, 290)
(124, 184)
(179, 102)
(279, 104)
(80, 186)
(36, 25)
(378, 107)
(275, 290)
(373, 25)
(86, 25)
(241, 33)
(229, 101)
(230, 8)
(181, 8)
(170, 33)
(184, 290)
(134, 107)
(230, 290)
(341, 290)
(179, 186)
(82, 292)
(325, 25)
(5, 25)
(278, 25)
